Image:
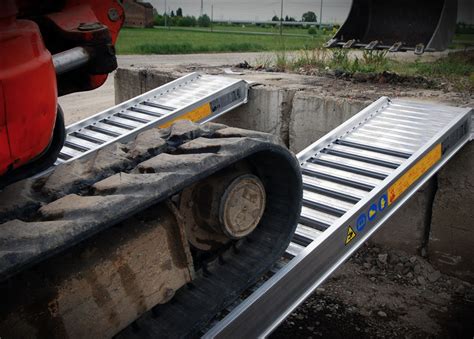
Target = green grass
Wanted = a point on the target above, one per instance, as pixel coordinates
(456, 68)
(462, 41)
(260, 29)
(161, 41)
(464, 37)
(252, 28)
(454, 65)
(255, 28)
(265, 29)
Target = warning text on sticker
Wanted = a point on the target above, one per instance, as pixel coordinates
(414, 173)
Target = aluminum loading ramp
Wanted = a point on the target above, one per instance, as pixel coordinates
(196, 97)
(354, 179)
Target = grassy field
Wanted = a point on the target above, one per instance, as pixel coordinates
(255, 28)
(293, 30)
(175, 41)
(462, 41)
(243, 30)
(464, 37)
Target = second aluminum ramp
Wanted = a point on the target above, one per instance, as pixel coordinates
(354, 179)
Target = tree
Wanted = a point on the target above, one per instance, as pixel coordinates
(179, 12)
(159, 20)
(186, 21)
(172, 14)
(309, 17)
(204, 20)
(275, 18)
(287, 18)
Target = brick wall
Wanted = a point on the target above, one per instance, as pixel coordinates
(138, 14)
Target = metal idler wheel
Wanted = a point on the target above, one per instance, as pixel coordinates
(242, 206)
(224, 207)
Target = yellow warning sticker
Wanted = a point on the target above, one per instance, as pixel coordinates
(350, 235)
(195, 115)
(414, 173)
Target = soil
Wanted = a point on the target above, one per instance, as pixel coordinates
(384, 294)
(389, 78)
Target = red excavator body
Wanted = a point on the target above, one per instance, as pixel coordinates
(28, 93)
(32, 33)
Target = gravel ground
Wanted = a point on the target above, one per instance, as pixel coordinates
(385, 294)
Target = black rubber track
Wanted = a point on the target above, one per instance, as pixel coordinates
(190, 157)
(225, 279)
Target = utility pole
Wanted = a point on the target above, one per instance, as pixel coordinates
(166, 16)
(212, 17)
(202, 7)
(281, 18)
(321, 15)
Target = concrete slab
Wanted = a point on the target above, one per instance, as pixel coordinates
(314, 115)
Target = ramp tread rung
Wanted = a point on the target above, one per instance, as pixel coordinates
(350, 166)
(382, 150)
(360, 157)
(338, 191)
(375, 143)
(89, 132)
(339, 176)
(130, 123)
(328, 204)
(293, 250)
(396, 161)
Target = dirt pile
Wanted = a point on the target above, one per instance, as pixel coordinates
(380, 293)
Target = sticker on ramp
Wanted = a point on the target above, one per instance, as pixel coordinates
(195, 115)
(350, 235)
(414, 173)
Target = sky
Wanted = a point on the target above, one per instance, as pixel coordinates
(334, 11)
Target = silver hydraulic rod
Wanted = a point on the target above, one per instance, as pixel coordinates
(70, 59)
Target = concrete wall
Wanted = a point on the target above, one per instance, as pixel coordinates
(439, 217)
(314, 115)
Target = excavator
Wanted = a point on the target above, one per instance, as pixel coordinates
(84, 252)
(112, 227)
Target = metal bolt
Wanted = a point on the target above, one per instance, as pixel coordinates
(113, 14)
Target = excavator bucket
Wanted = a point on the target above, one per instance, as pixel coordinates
(398, 25)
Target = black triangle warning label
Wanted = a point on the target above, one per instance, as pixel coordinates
(350, 235)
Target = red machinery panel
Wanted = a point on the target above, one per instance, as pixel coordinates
(4, 145)
(94, 24)
(29, 100)
(30, 33)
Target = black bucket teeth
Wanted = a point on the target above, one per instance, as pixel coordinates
(398, 25)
